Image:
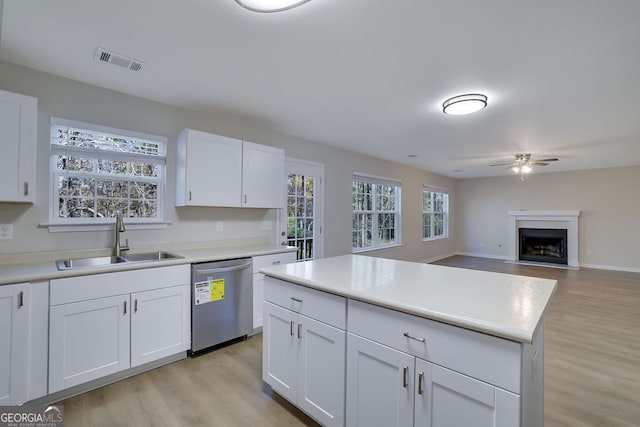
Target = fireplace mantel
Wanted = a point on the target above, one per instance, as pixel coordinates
(545, 219)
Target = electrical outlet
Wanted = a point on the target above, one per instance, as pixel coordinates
(6, 231)
(219, 226)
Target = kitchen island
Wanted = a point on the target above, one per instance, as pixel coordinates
(356, 340)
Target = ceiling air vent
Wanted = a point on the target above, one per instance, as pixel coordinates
(103, 55)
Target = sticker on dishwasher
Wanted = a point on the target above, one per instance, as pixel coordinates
(208, 291)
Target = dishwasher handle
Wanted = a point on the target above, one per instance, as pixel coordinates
(223, 269)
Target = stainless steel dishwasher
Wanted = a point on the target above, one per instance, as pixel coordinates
(221, 302)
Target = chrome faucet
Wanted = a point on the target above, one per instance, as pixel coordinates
(117, 251)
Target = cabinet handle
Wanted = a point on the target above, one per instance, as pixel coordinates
(125, 308)
(275, 262)
(245, 198)
(299, 331)
(20, 299)
(405, 373)
(26, 188)
(420, 378)
(408, 335)
(296, 299)
(291, 328)
(135, 306)
(189, 195)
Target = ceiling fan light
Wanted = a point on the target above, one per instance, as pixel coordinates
(464, 104)
(267, 6)
(526, 169)
(516, 169)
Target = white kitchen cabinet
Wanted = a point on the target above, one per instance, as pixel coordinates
(263, 184)
(214, 170)
(23, 333)
(88, 340)
(18, 121)
(160, 322)
(388, 387)
(106, 323)
(304, 357)
(379, 389)
(208, 170)
(13, 336)
(258, 280)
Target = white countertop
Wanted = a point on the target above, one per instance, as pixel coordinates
(504, 305)
(47, 270)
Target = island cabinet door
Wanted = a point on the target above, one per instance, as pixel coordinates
(321, 370)
(445, 398)
(380, 385)
(280, 359)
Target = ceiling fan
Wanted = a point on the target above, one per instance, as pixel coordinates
(523, 164)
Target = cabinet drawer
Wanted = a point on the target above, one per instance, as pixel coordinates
(491, 359)
(274, 259)
(322, 306)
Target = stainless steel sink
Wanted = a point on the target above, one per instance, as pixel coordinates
(151, 256)
(70, 264)
(103, 261)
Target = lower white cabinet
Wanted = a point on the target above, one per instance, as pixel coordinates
(94, 333)
(23, 334)
(388, 387)
(258, 281)
(304, 357)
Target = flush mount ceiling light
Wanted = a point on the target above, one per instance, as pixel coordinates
(266, 6)
(464, 104)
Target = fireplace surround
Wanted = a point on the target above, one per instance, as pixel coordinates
(544, 220)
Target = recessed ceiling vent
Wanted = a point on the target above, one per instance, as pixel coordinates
(103, 55)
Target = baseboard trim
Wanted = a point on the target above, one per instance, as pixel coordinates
(481, 255)
(611, 267)
(438, 258)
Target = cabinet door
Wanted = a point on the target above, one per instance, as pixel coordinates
(14, 320)
(18, 121)
(88, 340)
(262, 176)
(451, 399)
(279, 348)
(160, 322)
(380, 385)
(321, 371)
(212, 169)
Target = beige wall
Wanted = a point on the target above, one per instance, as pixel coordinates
(608, 201)
(77, 101)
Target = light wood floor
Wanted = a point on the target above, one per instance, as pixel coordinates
(592, 367)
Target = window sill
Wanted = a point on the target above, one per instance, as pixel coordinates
(64, 228)
(431, 239)
(379, 248)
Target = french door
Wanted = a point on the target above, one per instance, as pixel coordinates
(302, 222)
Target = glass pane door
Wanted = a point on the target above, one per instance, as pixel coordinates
(303, 222)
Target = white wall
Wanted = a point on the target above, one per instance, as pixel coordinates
(608, 201)
(78, 101)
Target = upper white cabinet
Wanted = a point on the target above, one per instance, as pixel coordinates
(214, 170)
(18, 122)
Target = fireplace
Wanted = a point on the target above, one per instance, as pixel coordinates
(543, 245)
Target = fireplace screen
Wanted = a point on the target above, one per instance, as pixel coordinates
(543, 245)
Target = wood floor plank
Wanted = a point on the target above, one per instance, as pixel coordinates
(592, 367)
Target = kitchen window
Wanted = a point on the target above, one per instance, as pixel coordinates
(435, 214)
(376, 213)
(97, 171)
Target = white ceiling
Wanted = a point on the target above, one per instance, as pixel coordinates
(562, 76)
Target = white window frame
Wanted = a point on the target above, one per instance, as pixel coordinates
(445, 212)
(56, 224)
(376, 181)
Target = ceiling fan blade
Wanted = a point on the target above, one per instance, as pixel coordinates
(539, 163)
(547, 160)
(504, 164)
